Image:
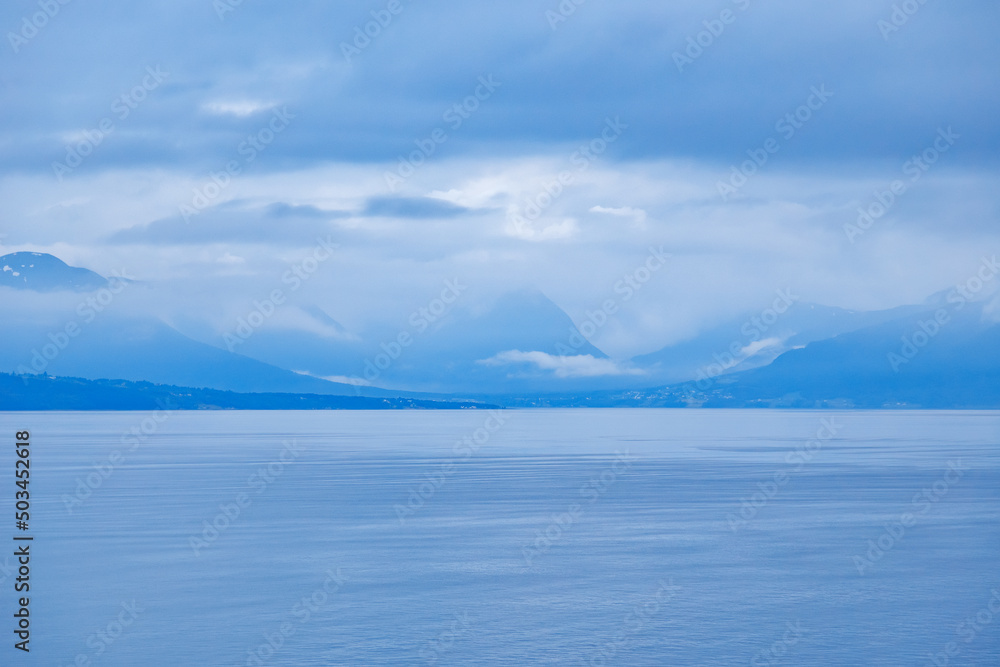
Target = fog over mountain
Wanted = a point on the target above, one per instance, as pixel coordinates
(520, 346)
(520, 198)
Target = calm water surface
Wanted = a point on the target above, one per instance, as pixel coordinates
(577, 537)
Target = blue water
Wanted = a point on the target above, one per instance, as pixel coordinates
(578, 537)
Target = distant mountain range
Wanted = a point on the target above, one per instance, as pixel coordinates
(758, 338)
(523, 350)
(115, 346)
(444, 356)
(893, 365)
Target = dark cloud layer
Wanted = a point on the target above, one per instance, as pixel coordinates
(279, 223)
(412, 207)
(556, 85)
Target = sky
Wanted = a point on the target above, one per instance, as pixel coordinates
(207, 147)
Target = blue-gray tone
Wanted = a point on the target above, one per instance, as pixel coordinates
(653, 175)
(941, 353)
(643, 537)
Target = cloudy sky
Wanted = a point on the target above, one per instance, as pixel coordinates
(205, 147)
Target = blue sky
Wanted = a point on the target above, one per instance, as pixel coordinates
(257, 111)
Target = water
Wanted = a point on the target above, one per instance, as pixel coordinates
(568, 537)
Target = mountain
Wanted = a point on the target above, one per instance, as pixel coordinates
(521, 349)
(136, 349)
(444, 354)
(44, 273)
(947, 357)
(896, 364)
(40, 392)
(758, 338)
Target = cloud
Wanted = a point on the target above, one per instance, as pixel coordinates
(311, 320)
(355, 119)
(284, 210)
(374, 106)
(527, 231)
(411, 207)
(622, 212)
(726, 256)
(238, 108)
(230, 259)
(340, 379)
(581, 365)
(756, 346)
(234, 222)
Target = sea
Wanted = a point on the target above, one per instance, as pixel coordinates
(509, 537)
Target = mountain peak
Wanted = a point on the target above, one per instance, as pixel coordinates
(42, 272)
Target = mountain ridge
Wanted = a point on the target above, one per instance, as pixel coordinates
(523, 349)
(42, 272)
(43, 392)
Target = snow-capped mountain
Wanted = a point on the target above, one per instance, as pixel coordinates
(42, 272)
